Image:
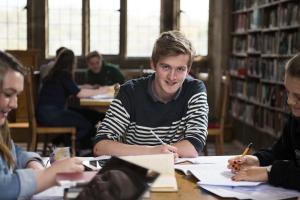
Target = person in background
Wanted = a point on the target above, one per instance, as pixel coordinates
(101, 73)
(45, 68)
(279, 165)
(22, 173)
(164, 112)
(58, 85)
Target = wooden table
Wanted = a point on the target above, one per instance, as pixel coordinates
(187, 190)
(101, 105)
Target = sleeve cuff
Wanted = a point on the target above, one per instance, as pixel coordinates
(196, 143)
(27, 183)
(29, 156)
(99, 138)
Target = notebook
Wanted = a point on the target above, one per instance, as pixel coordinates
(162, 163)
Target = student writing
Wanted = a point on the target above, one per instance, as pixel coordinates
(279, 165)
(168, 102)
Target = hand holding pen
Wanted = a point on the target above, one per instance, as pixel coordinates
(240, 162)
(164, 148)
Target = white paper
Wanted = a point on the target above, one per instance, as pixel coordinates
(53, 193)
(260, 192)
(216, 175)
(212, 170)
(86, 161)
(103, 96)
(205, 159)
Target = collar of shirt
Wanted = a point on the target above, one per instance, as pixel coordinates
(152, 94)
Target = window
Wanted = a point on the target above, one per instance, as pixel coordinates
(133, 35)
(194, 15)
(65, 25)
(13, 22)
(143, 17)
(105, 26)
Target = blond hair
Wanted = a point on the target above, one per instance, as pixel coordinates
(172, 43)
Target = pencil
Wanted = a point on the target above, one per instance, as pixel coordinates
(247, 149)
(158, 138)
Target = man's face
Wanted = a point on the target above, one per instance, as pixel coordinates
(95, 64)
(11, 88)
(292, 86)
(170, 73)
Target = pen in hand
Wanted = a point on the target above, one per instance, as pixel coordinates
(170, 149)
(236, 166)
(247, 149)
(158, 138)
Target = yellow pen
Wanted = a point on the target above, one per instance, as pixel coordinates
(247, 149)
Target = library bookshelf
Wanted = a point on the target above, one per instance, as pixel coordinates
(265, 35)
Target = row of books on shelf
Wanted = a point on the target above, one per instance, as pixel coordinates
(285, 15)
(288, 14)
(263, 119)
(270, 43)
(267, 69)
(270, 96)
(250, 4)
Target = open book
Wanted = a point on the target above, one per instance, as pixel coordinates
(162, 163)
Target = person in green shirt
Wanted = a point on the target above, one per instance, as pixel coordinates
(101, 73)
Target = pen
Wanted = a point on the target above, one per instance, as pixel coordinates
(247, 149)
(160, 140)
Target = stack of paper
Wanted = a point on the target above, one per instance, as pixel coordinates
(110, 92)
(213, 175)
(212, 170)
(162, 163)
(259, 192)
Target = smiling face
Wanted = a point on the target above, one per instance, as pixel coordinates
(292, 85)
(12, 86)
(170, 73)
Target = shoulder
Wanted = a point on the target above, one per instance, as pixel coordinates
(110, 66)
(193, 85)
(135, 87)
(135, 84)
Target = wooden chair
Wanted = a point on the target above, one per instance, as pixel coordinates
(216, 130)
(36, 129)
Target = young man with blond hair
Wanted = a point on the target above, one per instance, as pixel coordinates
(162, 113)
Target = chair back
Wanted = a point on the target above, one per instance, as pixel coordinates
(224, 87)
(30, 105)
(218, 131)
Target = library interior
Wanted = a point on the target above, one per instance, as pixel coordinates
(176, 99)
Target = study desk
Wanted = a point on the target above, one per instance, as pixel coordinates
(187, 190)
(100, 105)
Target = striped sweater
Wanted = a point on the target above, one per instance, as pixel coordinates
(135, 112)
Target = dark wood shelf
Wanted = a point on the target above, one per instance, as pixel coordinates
(267, 81)
(259, 95)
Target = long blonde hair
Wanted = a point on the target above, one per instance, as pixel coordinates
(7, 62)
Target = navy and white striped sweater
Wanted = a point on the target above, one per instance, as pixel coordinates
(135, 112)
